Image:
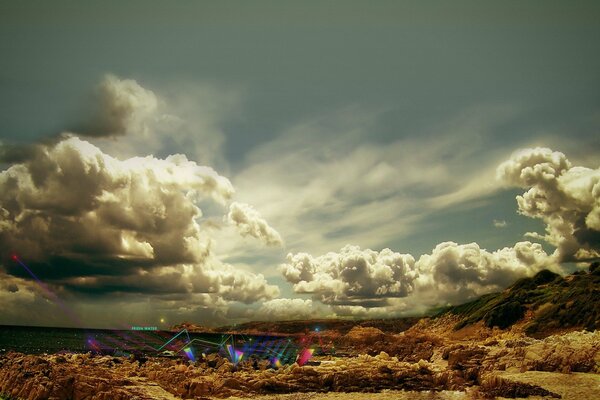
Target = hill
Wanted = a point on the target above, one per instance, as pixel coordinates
(551, 302)
(341, 326)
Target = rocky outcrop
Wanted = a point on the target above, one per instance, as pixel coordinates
(572, 352)
(408, 346)
(85, 377)
(441, 365)
(498, 387)
(73, 377)
(358, 374)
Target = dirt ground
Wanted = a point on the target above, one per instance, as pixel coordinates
(574, 386)
(384, 395)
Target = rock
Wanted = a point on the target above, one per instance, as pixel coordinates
(455, 366)
(498, 387)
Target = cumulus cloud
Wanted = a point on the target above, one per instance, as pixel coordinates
(360, 282)
(129, 119)
(352, 276)
(238, 285)
(249, 222)
(91, 223)
(123, 106)
(454, 273)
(15, 153)
(565, 197)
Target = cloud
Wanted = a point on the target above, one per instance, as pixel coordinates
(351, 276)
(238, 285)
(329, 180)
(128, 119)
(499, 223)
(455, 273)
(123, 106)
(93, 224)
(362, 312)
(185, 118)
(358, 282)
(565, 197)
(31, 305)
(287, 309)
(15, 153)
(249, 223)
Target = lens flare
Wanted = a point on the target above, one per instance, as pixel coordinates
(235, 355)
(189, 352)
(304, 356)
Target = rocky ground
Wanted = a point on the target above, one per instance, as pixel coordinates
(427, 362)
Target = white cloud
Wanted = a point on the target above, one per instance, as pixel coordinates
(95, 224)
(249, 222)
(499, 223)
(288, 309)
(565, 197)
(454, 273)
(237, 285)
(123, 107)
(326, 183)
(367, 283)
(352, 275)
(133, 120)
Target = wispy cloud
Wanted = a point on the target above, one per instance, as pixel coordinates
(499, 223)
(326, 183)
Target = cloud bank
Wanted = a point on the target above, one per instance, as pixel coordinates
(94, 226)
(356, 279)
(287, 309)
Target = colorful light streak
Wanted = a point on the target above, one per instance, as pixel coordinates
(304, 356)
(276, 362)
(184, 331)
(189, 352)
(234, 355)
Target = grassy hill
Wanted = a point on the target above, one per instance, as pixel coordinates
(558, 303)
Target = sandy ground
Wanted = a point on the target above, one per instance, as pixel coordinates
(384, 395)
(575, 386)
(144, 387)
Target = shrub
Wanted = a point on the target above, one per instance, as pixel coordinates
(504, 315)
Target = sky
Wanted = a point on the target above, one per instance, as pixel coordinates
(223, 161)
